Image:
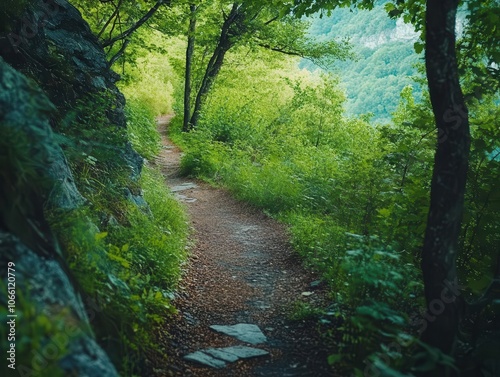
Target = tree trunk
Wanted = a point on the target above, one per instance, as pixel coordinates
(448, 179)
(189, 62)
(215, 63)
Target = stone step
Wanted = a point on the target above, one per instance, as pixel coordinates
(219, 357)
(245, 332)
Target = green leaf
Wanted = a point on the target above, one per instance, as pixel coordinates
(389, 7)
(385, 370)
(118, 282)
(334, 359)
(125, 263)
(101, 236)
(418, 47)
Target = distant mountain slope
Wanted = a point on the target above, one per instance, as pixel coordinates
(386, 58)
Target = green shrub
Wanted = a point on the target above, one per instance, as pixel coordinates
(377, 290)
(156, 240)
(269, 185)
(141, 128)
(375, 271)
(320, 242)
(202, 158)
(130, 269)
(125, 257)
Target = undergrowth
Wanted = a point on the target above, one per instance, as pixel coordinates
(141, 129)
(330, 179)
(126, 245)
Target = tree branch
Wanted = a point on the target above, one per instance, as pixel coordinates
(282, 50)
(106, 24)
(271, 20)
(137, 25)
(119, 53)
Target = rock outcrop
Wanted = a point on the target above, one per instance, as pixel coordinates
(72, 347)
(50, 62)
(51, 43)
(34, 173)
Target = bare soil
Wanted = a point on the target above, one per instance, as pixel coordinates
(241, 269)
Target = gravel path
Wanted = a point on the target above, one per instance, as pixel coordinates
(241, 270)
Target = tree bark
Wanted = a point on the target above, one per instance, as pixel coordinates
(215, 63)
(189, 62)
(448, 180)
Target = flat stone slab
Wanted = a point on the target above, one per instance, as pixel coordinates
(243, 352)
(245, 332)
(218, 357)
(183, 187)
(204, 359)
(184, 198)
(220, 353)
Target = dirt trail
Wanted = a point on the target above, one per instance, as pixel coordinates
(241, 270)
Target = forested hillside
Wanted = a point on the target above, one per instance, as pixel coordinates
(315, 154)
(384, 62)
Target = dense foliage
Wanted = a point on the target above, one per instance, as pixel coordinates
(355, 195)
(342, 156)
(345, 159)
(130, 265)
(384, 62)
(340, 183)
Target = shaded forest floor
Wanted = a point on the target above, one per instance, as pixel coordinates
(241, 270)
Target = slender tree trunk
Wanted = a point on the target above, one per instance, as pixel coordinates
(189, 62)
(448, 180)
(215, 63)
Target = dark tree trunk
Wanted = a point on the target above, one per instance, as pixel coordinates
(215, 63)
(189, 63)
(448, 179)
